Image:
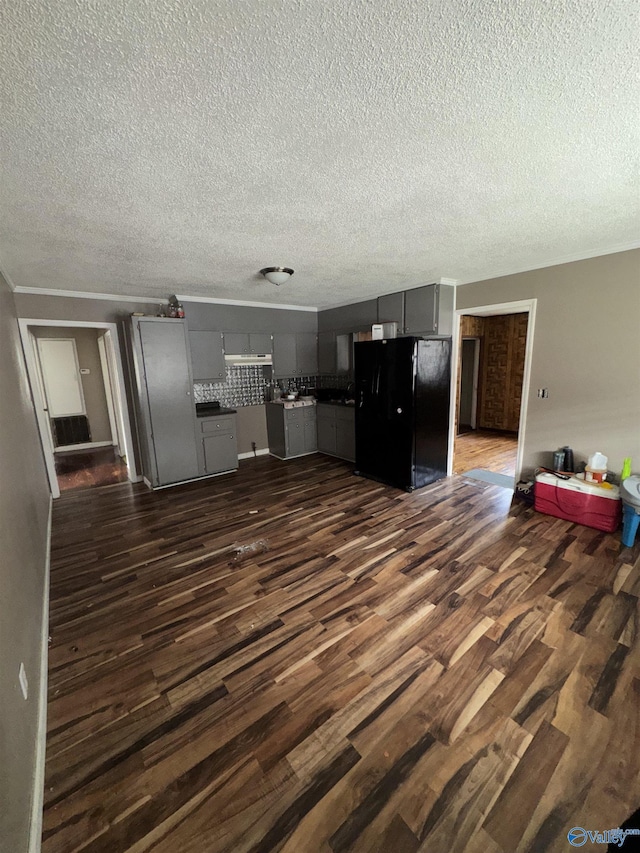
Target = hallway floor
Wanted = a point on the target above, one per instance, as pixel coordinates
(82, 469)
(486, 449)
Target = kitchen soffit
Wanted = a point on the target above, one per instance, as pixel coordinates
(162, 148)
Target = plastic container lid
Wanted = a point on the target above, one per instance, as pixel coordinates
(630, 490)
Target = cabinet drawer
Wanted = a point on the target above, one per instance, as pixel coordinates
(222, 424)
(344, 413)
(292, 415)
(309, 413)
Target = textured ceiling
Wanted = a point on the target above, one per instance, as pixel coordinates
(160, 146)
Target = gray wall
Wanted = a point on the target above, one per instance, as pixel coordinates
(93, 386)
(586, 351)
(200, 316)
(204, 316)
(251, 423)
(35, 307)
(24, 508)
(349, 317)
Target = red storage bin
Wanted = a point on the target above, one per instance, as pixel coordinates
(577, 501)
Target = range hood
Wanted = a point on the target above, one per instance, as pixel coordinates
(249, 358)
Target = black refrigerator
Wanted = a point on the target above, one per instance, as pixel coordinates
(402, 410)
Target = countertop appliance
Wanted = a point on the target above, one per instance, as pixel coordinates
(402, 410)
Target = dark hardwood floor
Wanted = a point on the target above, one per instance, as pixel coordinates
(486, 449)
(82, 469)
(293, 658)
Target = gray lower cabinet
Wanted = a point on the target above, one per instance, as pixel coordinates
(310, 433)
(291, 432)
(164, 401)
(337, 431)
(429, 310)
(219, 443)
(207, 356)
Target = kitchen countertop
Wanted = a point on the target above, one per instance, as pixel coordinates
(350, 404)
(293, 404)
(206, 411)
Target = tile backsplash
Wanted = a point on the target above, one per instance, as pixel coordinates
(249, 385)
(244, 385)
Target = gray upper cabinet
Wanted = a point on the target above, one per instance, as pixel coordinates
(236, 343)
(429, 310)
(391, 309)
(259, 343)
(163, 372)
(247, 343)
(306, 353)
(344, 355)
(207, 356)
(284, 354)
(327, 352)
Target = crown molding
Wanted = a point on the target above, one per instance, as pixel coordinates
(82, 294)
(7, 277)
(567, 259)
(209, 300)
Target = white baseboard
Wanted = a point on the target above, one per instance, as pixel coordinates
(87, 445)
(298, 456)
(264, 451)
(37, 796)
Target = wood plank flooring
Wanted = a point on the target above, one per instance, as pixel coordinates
(83, 469)
(486, 449)
(295, 659)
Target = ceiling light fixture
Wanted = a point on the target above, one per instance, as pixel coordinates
(277, 275)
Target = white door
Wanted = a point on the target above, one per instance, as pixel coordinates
(61, 376)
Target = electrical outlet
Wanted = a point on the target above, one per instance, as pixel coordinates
(543, 392)
(22, 678)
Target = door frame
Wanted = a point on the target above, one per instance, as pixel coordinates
(522, 306)
(105, 350)
(474, 380)
(118, 387)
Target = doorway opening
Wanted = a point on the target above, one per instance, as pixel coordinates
(77, 385)
(493, 345)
